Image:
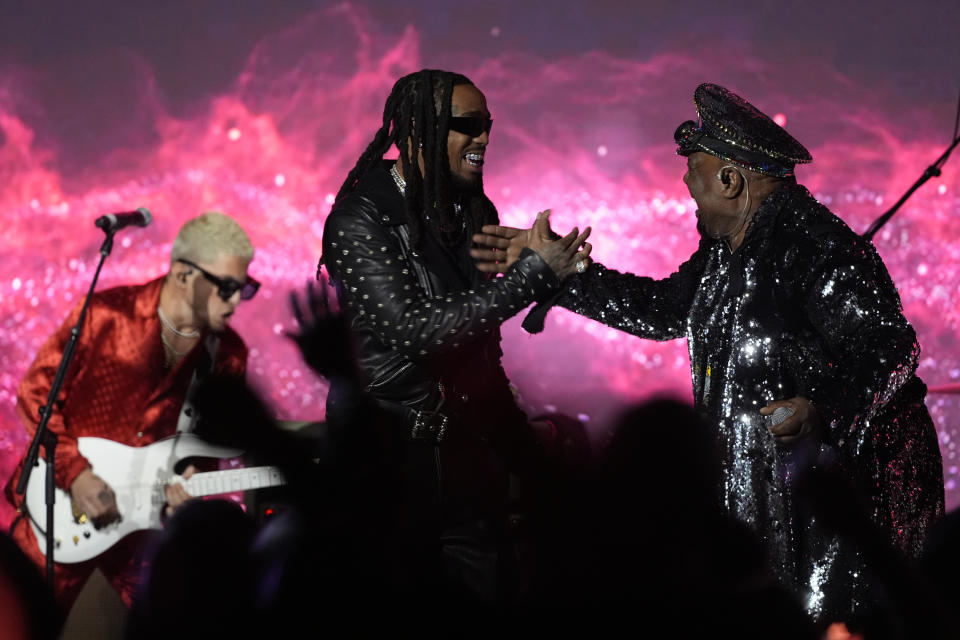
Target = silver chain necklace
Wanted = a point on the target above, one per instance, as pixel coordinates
(398, 179)
(402, 186)
(169, 325)
(173, 352)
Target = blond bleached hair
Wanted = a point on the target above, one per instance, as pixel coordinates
(210, 235)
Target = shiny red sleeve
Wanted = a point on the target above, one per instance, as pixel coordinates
(33, 393)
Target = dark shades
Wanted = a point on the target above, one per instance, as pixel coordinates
(471, 126)
(226, 287)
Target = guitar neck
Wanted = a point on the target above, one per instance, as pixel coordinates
(230, 480)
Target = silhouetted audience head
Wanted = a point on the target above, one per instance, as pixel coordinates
(644, 543)
(637, 538)
(27, 608)
(941, 565)
(663, 457)
(569, 444)
(201, 577)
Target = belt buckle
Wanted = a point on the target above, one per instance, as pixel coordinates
(429, 425)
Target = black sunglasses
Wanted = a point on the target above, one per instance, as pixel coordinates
(471, 126)
(227, 287)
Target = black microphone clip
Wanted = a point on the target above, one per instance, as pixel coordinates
(113, 222)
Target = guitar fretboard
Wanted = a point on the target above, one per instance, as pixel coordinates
(229, 480)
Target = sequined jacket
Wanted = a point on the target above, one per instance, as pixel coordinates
(804, 307)
(426, 321)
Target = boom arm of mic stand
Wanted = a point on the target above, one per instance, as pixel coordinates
(931, 171)
(43, 434)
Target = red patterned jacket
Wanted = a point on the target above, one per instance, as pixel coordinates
(117, 386)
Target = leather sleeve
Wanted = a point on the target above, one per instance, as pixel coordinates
(377, 283)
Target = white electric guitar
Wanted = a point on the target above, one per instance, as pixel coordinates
(137, 476)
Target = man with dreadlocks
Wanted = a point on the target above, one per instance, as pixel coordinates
(427, 324)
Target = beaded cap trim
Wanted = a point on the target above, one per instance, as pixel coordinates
(734, 130)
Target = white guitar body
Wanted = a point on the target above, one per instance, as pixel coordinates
(137, 476)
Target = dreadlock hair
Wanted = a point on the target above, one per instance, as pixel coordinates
(416, 119)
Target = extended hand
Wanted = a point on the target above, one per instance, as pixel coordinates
(561, 254)
(95, 498)
(176, 493)
(506, 243)
(499, 247)
(804, 422)
(324, 338)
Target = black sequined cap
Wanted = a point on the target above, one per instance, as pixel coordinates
(734, 130)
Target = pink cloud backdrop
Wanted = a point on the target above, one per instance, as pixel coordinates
(587, 133)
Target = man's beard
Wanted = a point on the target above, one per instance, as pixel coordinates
(705, 232)
(461, 187)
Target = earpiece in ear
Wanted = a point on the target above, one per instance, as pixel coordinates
(726, 179)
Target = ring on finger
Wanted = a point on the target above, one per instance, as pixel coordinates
(581, 266)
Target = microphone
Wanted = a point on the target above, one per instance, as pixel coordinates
(780, 414)
(115, 221)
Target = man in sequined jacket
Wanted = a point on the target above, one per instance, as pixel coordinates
(427, 325)
(784, 309)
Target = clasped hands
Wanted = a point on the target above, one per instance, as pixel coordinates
(499, 247)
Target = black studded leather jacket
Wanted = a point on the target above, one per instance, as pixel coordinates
(426, 321)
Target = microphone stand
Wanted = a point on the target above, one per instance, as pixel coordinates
(931, 171)
(43, 434)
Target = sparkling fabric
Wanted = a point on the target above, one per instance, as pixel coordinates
(803, 308)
